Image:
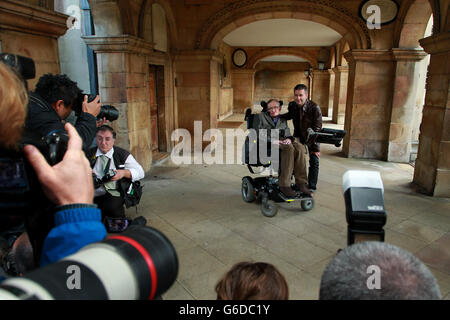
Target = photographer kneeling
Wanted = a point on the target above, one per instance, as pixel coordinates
(116, 171)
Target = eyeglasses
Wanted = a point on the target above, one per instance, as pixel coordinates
(273, 109)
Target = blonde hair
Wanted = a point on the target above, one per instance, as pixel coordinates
(13, 107)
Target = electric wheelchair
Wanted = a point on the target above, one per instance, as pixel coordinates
(267, 188)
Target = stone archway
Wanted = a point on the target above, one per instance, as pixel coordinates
(145, 22)
(241, 13)
(296, 52)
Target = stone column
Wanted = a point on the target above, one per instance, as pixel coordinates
(404, 102)
(432, 170)
(331, 92)
(369, 101)
(243, 83)
(122, 76)
(196, 77)
(321, 89)
(340, 94)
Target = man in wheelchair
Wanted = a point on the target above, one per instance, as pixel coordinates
(293, 153)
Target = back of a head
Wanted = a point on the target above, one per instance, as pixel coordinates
(13, 103)
(54, 87)
(252, 281)
(350, 275)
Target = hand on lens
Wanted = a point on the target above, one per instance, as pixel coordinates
(92, 107)
(69, 181)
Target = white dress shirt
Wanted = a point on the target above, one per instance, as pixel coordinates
(137, 172)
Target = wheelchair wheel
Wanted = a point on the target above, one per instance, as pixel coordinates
(248, 191)
(269, 208)
(307, 204)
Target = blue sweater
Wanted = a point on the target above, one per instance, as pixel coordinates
(75, 227)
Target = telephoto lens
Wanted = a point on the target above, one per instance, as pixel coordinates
(138, 264)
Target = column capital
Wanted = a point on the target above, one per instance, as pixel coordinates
(372, 55)
(320, 73)
(123, 43)
(340, 69)
(408, 54)
(26, 18)
(436, 44)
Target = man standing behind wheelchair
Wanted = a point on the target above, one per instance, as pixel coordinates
(292, 152)
(306, 114)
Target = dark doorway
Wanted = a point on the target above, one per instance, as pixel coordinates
(157, 111)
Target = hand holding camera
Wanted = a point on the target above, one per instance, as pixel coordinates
(74, 165)
(93, 107)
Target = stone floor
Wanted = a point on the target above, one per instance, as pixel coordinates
(200, 209)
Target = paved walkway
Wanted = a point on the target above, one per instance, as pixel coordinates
(200, 209)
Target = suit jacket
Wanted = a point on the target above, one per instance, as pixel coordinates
(309, 116)
(266, 122)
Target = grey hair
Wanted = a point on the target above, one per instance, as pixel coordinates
(402, 275)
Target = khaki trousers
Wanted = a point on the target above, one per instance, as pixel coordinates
(293, 160)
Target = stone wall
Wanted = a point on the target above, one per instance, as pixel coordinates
(277, 80)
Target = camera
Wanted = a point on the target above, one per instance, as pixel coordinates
(107, 111)
(106, 178)
(364, 204)
(139, 264)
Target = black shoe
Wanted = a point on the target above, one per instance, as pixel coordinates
(139, 221)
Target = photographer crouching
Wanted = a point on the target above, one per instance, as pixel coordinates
(76, 220)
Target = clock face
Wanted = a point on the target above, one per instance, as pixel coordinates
(388, 10)
(239, 57)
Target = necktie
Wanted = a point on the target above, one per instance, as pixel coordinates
(111, 185)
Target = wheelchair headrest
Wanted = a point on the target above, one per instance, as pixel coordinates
(264, 105)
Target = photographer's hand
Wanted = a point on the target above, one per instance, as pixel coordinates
(121, 173)
(70, 181)
(92, 107)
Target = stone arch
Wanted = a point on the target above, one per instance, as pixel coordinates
(326, 12)
(107, 18)
(253, 60)
(412, 23)
(145, 24)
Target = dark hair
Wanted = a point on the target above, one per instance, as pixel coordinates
(301, 87)
(402, 276)
(252, 281)
(54, 87)
(107, 128)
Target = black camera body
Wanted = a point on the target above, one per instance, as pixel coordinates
(106, 178)
(108, 112)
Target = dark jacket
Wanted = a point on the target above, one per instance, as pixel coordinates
(42, 119)
(266, 122)
(310, 116)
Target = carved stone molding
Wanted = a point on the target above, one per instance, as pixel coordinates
(22, 17)
(401, 54)
(373, 55)
(324, 8)
(436, 44)
(197, 55)
(124, 43)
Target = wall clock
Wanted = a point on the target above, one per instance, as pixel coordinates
(388, 10)
(239, 57)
